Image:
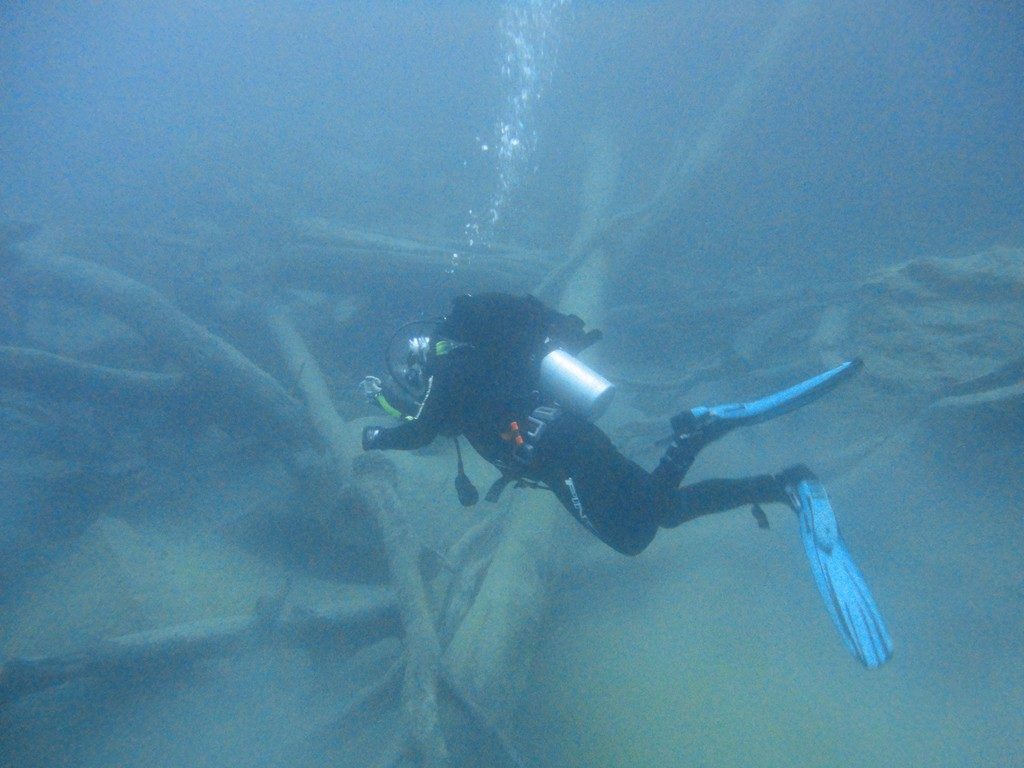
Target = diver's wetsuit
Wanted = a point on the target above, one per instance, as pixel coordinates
(489, 380)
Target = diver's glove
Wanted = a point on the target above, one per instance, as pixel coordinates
(370, 387)
(372, 438)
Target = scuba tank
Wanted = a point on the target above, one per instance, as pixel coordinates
(575, 386)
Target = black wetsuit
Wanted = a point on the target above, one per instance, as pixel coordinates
(490, 380)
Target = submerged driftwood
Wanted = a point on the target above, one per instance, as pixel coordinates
(159, 650)
(324, 248)
(692, 157)
(211, 363)
(375, 481)
(38, 372)
(208, 361)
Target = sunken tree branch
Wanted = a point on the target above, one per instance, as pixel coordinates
(211, 363)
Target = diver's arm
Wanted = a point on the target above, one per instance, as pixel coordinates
(389, 397)
(418, 431)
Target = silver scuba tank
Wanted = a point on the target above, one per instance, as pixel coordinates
(575, 386)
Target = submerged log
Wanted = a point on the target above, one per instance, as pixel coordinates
(1003, 405)
(323, 246)
(692, 158)
(211, 362)
(375, 479)
(375, 483)
(39, 372)
(154, 651)
(311, 383)
(1006, 375)
(490, 658)
(580, 281)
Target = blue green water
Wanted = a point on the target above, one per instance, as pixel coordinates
(751, 176)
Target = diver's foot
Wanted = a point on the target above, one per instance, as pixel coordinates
(685, 423)
(789, 480)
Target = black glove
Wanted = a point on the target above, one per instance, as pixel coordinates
(371, 438)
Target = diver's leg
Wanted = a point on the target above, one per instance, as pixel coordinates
(710, 496)
(689, 439)
(611, 496)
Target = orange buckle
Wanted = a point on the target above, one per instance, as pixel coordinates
(515, 434)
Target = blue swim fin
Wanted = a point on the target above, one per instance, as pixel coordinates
(842, 586)
(714, 421)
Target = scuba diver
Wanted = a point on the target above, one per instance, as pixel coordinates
(502, 371)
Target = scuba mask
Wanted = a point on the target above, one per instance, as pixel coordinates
(415, 373)
(408, 355)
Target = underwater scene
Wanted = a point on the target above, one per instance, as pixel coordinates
(511, 384)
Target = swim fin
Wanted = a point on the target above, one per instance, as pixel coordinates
(714, 421)
(842, 586)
